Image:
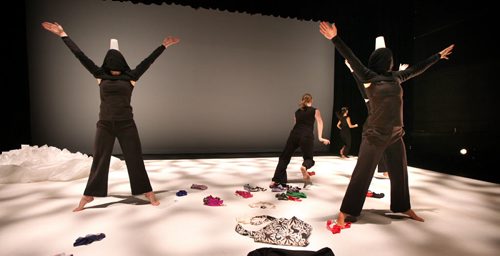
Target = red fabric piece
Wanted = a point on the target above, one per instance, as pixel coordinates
(296, 199)
(244, 194)
(335, 229)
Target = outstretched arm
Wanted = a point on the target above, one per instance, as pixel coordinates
(319, 120)
(146, 63)
(422, 66)
(330, 32)
(58, 30)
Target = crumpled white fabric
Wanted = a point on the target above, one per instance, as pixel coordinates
(46, 163)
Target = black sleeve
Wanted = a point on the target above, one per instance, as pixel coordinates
(146, 63)
(361, 86)
(361, 71)
(417, 69)
(86, 62)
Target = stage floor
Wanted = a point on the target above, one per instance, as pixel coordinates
(461, 215)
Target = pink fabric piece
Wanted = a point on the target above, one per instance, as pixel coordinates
(212, 201)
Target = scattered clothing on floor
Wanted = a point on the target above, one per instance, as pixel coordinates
(293, 198)
(213, 201)
(289, 197)
(279, 188)
(181, 193)
(270, 251)
(284, 188)
(198, 186)
(88, 239)
(281, 196)
(374, 195)
(251, 188)
(279, 231)
(244, 194)
(293, 189)
(297, 194)
(263, 205)
(335, 228)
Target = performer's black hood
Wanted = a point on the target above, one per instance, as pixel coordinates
(114, 60)
(381, 60)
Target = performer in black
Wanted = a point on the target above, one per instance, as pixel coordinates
(384, 125)
(302, 135)
(116, 82)
(382, 168)
(345, 125)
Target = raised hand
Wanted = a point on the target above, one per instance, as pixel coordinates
(168, 41)
(403, 66)
(446, 52)
(54, 28)
(329, 31)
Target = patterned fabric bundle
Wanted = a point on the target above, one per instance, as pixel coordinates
(279, 231)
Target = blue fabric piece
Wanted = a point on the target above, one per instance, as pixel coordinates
(88, 239)
(181, 193)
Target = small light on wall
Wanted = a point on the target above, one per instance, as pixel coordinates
(463, 151)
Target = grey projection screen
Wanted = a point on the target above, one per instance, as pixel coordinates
(230, 86)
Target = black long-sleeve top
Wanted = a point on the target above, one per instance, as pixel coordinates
(385, 92)
(361, 86)
(115, 91)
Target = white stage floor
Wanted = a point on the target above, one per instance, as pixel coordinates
(462, 216)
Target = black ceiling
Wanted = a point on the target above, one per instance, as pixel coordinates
(300, 10)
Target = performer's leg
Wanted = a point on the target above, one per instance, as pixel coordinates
(280, 175)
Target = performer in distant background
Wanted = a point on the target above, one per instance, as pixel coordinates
(345, 125)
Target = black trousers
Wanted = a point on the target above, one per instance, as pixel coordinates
(345, 136)
(295, 140)
(128, 137)
(374, 143)
(382, 164)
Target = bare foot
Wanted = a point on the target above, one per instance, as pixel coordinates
(152, 198)
(85, 200)
(341, 219)
(413, 215)
(306, 176)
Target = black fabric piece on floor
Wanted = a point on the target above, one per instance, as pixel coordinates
(269, 251)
